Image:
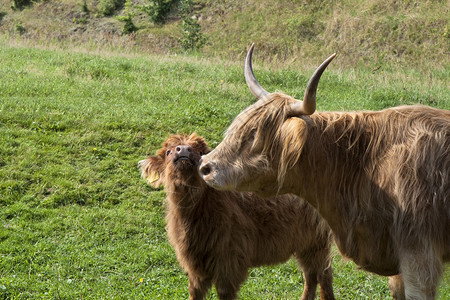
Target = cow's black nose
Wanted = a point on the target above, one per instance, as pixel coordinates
(205, 169)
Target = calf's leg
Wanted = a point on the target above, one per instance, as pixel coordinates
(309, 291)
(228, 286)
(316, 267)
(325, 278)
(198, 287)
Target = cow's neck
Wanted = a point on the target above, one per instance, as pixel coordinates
(338, 179)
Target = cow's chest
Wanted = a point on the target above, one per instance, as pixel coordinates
(371, 247)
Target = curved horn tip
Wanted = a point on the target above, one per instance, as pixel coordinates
(255, 88)
(326, 62)
(308, 105)
(248, 58)
(329, 59)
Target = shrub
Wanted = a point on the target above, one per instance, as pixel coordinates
(2, 15)
(129, 26)
(19, 28)
(108, 7)
(192, 37)
(20, 4)
(84, 7)
(158, 10)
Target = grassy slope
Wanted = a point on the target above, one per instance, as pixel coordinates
(76, 219)
(370, 34)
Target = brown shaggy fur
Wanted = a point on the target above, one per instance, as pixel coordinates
(218, 236)
(381, 179)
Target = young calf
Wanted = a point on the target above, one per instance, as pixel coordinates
(219, 235)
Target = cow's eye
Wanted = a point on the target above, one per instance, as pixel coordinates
(201, 153)
(168, 152)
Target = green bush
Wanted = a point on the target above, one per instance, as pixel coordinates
(84, 7)
(108, 7)
(158, 10)
(192, 37)
(19, 28)
(2, 15)
(20, 4)
(129, 26)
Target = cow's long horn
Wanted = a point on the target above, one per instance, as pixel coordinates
(308, 105)
(252, 83)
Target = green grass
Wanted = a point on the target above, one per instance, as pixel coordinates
(76, 219)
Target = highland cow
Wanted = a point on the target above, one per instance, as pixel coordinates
(381, 179)
(218, 236)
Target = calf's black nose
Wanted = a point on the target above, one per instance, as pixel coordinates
(183, 150)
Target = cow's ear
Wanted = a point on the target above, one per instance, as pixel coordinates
(152, 169)
(292, 138)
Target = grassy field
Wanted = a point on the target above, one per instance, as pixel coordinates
(76, 219)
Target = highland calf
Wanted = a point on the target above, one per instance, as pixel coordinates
(381, 179)
(218, 236)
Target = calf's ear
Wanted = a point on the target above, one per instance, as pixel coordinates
(151, 170)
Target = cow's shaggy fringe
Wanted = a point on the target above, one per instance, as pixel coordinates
(218, 236)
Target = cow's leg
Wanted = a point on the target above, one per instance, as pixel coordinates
(198, 287)
(421, 270)
(396, 287)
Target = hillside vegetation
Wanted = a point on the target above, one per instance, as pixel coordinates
(372, 34)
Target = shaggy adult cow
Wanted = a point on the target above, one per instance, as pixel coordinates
(381, 179)
(218, 236)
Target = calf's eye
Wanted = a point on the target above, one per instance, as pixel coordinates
(168, 152)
